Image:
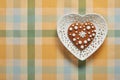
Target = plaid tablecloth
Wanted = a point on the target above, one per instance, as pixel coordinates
(31, 50)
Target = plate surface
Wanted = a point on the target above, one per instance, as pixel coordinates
(101, 32)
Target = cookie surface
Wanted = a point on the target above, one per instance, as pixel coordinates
(81, 34)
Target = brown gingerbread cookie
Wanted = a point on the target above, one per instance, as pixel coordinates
(81, 34)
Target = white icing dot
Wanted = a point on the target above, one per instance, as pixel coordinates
(73, 34)
(80, 26)
(78, 38)
(90, 35)
(80, 42)
(82, 46)
(76, 27)
(76, 31)
(94, 30)
(92, 26)
(76, 23)
(88, 32)
(88, 27)
(70, 29)
(85, 23)
(74, 39)
(93, 34)
(88, 39)
(84, 29)
(85, 41)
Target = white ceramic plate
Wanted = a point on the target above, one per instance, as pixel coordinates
(101, 32)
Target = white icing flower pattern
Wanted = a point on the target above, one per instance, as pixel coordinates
(82, 34)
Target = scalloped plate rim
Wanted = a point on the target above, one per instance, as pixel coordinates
(58, 22)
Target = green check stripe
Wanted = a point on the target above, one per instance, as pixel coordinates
(44, 33)
(82, 6)
(31, 39)
(3, 33)
(82, 64)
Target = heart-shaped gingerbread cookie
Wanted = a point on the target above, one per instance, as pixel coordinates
(82, 35)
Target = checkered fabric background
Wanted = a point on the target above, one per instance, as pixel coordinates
(31, 50)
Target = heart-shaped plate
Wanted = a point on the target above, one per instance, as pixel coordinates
(66, 21)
